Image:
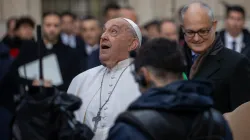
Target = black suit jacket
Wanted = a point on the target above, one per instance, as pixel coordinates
(68, 61)
(93, 59)
(246, 42)
(229, 72)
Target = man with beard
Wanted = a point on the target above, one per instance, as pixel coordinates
(69, 65)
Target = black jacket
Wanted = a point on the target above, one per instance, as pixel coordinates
(93, 59)
(246, 41)
(5, 60)
(229, 71)
(69, 65)
(185, 99)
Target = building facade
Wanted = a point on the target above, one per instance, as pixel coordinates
(146, 9)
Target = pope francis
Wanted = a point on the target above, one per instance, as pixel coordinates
(107, 90)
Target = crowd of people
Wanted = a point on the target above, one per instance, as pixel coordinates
(171, 79)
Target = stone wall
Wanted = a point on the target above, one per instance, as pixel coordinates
(150, 9)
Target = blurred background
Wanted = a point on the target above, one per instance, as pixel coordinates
(145, 9)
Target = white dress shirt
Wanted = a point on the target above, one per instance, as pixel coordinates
(69, 40)
(238, 40)
(87, 86)
(90, 49)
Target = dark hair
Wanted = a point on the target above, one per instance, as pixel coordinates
(24, 20)
(152, 23)
(9, 21)
(90, 17)
(161, 54)
(236, 8)
(128, 7)
(67, 13)
(111, 6)
(50, 13)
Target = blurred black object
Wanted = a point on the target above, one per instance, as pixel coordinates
(48, 115)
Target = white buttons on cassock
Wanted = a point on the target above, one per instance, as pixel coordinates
(103, 125)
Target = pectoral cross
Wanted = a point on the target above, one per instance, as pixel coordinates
(97, 119)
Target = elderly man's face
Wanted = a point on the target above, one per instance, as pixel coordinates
(199, 30)
(116, 42)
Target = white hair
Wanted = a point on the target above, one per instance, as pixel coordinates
(203, 5)
(135, 30)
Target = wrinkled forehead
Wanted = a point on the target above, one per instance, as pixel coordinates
(196, 17)
(200, 21)
(117, 22)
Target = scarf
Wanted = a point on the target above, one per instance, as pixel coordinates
(213, 50)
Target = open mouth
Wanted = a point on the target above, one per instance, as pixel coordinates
(105, 47)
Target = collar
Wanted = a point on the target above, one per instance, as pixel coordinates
(65, 35)
(193, 53)
(122, 64)
(93, 48)
(49, 46)
(229, 38)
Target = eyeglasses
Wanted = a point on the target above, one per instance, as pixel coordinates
(201, 32)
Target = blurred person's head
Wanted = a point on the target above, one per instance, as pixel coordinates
(199, 26)
(143, 31)
(128, 12)
(158, 63)
(235, 20)
(120, 36)
(111, 11)
(152, 28)
(10, 25)
(24, 28)
(77, 27)
(90, 30)
(168, 29)
(68, 21)
(51, 27)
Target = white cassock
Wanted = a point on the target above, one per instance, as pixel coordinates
(87, 86)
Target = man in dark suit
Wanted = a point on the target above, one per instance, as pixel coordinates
(207, 58)
(90, 31)
(69, 38)
(234, 36)
(69, 65)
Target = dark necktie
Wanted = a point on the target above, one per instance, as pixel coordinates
(194, 57)
(234, 46)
